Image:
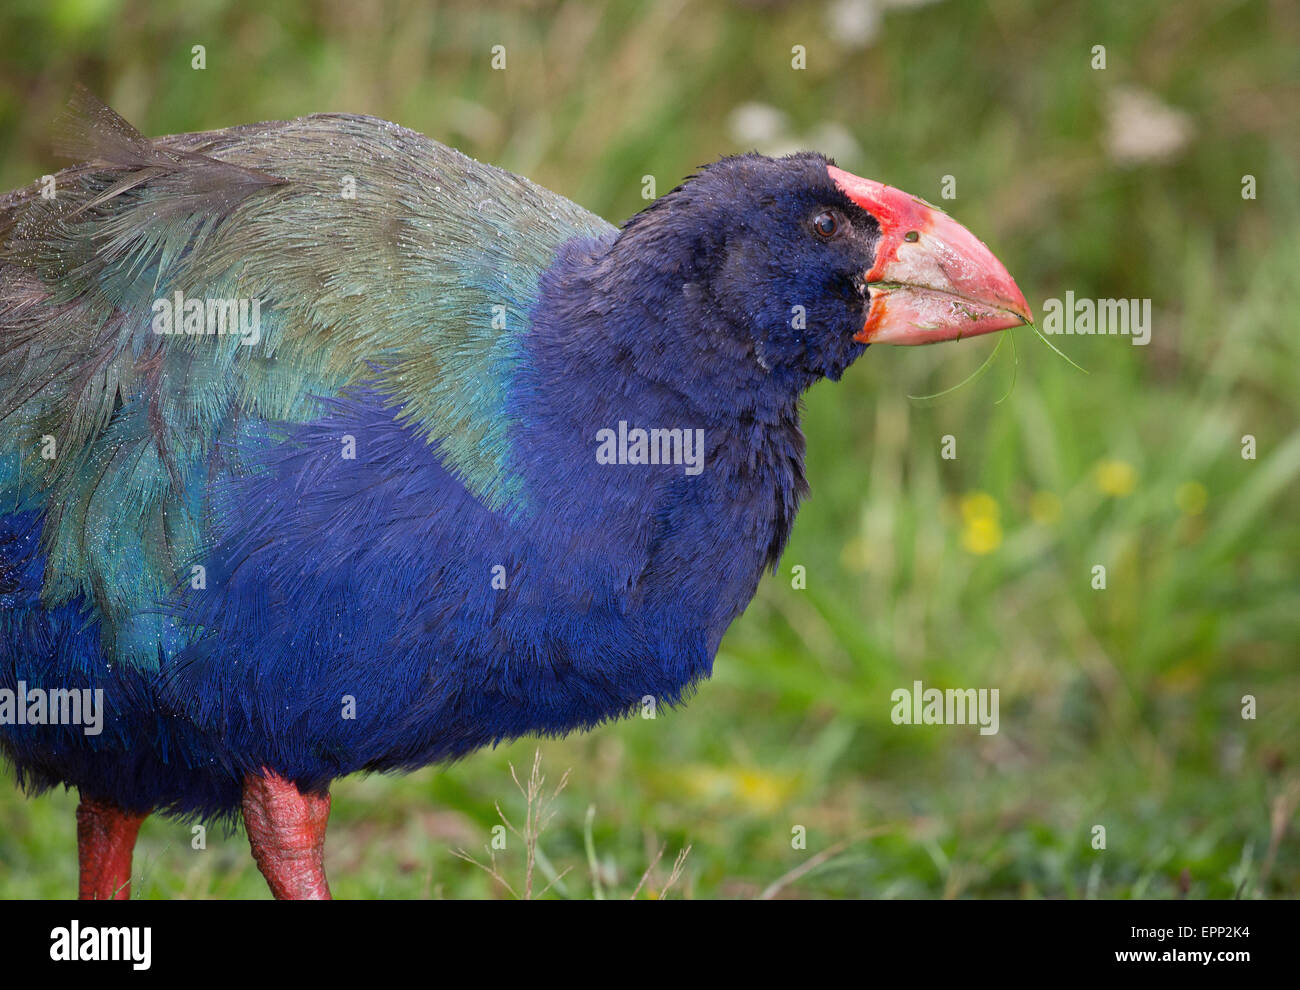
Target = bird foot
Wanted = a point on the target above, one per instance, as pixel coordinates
(105, 840)
(286, 829)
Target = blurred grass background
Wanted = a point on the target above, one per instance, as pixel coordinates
(1119, 708)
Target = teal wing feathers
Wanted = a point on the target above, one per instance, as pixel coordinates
(369, 254)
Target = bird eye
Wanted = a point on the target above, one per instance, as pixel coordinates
(911, 237)
(825, 224)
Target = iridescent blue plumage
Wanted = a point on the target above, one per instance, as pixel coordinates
(381, 536)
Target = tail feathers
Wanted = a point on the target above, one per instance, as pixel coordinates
(94, 133)
(90, 240)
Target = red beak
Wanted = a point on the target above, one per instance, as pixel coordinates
(933, 279)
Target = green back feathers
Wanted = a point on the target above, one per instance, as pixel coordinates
(373, 254)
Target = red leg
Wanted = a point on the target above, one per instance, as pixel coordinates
(105, 839)
(286, 829)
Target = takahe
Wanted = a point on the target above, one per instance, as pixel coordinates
(325, 448)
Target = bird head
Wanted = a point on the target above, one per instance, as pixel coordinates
(815, 263)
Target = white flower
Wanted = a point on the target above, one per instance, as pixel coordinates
(853, 23)
(1140, 128)
(754, 124)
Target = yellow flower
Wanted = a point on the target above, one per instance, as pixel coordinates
(1045, 507)
(978, 505)
(1116, 478)
(981, 532)
(761, 791)
(981, 535)
(1191, 497)
(758, 790)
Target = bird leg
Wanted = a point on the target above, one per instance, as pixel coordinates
(286, 829)
(105, 839)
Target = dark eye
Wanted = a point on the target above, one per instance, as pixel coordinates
(911, 237)
(826, 223)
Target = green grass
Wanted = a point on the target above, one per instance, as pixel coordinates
(1119, 708)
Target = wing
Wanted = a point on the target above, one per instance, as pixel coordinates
(171, 300)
